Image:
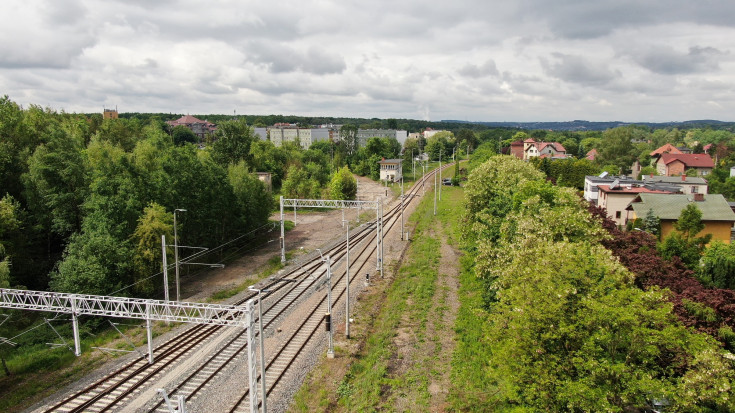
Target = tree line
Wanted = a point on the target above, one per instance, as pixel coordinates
(84, 203)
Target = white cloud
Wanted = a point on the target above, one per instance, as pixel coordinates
(467, 59)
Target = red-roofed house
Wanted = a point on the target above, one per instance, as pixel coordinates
(532, 149)
(616, 200)
(201, 128)
(670, 164)
(591, 155)
(668, 148)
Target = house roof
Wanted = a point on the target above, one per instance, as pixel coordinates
(188, 120)
(529, 140)
(690, 160)
(591, 155)
(391, 161)
(668, 148)
(611, 178)
(669, 206)
(687, 180)
(631, 190)
(556, 145)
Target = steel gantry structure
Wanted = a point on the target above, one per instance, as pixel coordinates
(338, 204)
(123, 307)
(140, 309)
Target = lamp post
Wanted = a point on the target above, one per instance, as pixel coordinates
(176, 254)
(328, 261)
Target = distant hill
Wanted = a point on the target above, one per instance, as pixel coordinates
(583, 125)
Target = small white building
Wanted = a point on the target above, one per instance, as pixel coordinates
(391, 170)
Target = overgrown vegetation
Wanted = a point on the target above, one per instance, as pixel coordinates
(568, 327)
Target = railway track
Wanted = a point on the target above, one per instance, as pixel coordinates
(118, 388)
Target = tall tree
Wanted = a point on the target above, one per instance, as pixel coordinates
(616, 147)
(181, 135)
(152, 224)
(348, 134)
(231, 142)
(343, 185)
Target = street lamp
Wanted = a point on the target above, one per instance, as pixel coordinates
(328, 261)
(176, 254)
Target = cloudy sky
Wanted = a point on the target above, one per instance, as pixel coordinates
(520, 60)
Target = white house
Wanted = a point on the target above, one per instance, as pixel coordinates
(391, 170)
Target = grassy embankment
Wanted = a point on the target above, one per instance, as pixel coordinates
(401, 360)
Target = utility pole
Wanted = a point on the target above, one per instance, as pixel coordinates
(176, 254)
(328, 316)
(402, 231)
(262, 347)
(283, 236)
(434, 192)
(423, 178)
(347, 287)
(440, 173)
(165, 269)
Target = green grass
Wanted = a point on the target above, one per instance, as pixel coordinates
(469, 386)
(370, 384)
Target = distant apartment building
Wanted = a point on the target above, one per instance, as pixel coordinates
(201, 128)
(109, 114)
(261, 133)
(282, 133)
(428, 133)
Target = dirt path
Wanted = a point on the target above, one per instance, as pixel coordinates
(445, 306)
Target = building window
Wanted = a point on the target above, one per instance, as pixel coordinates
(694, 189)
(617, 214)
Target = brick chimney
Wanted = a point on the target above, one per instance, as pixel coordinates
(698, 197)
(683, 177)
